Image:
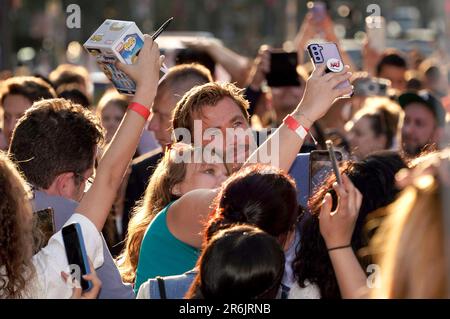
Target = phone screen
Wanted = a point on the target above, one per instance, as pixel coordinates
(43, 227)
(76, 252)
(283, 69)
(320, 167)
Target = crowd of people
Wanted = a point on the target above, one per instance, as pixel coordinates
(161, 220)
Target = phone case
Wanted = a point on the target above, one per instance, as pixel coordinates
(328, 53)
(283, 69)
(79, 234)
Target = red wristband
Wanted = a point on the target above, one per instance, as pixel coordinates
(295, 126)
(140, 109)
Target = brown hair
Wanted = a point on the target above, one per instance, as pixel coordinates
(31, 87)
(69, 73)
(158, 195)
(207, 94)
(15, 231)
(410, 244)
(181, 78)
(55, 136)
(384, 116)
(112, 96)
(75, 93)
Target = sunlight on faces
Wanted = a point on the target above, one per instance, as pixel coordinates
(419, 127)
(111, 116)
(362, 138)
(161, 120)
(14, 106)
(215, 120)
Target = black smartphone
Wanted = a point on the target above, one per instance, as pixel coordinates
(320, 167)
(283, 69)
(334, 163)
(43, 227)
(76, 253)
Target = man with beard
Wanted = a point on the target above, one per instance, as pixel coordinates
(423, 123)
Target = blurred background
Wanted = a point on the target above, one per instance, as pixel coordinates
(34, 33)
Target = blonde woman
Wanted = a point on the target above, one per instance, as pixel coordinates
(172, 178)
(411, 245)
(374, 127)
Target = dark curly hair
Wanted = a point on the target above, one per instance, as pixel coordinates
(374, 177)
(16, 239)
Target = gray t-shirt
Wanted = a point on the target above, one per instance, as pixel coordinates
(112, 285)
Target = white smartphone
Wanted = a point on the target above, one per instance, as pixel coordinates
(376, 32)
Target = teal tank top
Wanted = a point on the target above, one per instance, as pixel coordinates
(162, 254)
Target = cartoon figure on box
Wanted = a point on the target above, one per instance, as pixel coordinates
(130, 46)
(117, 77)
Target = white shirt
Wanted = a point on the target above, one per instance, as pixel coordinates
(52, 259)
(311, 291)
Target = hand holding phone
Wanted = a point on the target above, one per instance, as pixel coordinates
(76, 253)
(328, 54)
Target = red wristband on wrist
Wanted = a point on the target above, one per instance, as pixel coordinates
(140, 109)
(295, 126)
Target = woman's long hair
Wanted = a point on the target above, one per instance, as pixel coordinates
(374, 177)
(258, 195)
(16, 239)
(410, 244)
(239, 262)
(158, 195)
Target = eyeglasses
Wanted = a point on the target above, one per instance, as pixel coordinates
(88, 181)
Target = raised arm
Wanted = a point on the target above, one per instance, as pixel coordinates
(235, 64)
(337, 229)
(192, 211)
(319, 94)
(281, 148)
(97, 202)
